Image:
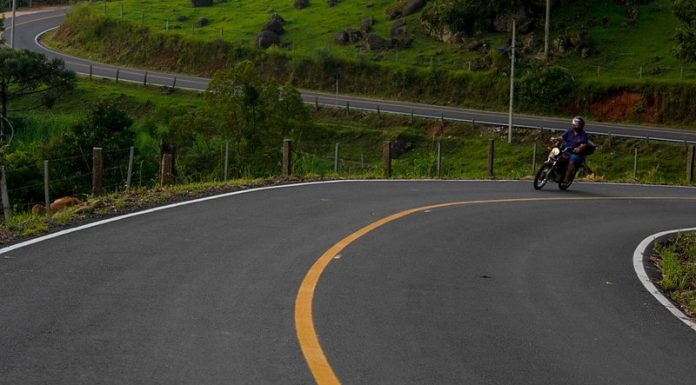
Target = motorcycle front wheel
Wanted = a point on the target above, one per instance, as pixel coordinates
(542, 176)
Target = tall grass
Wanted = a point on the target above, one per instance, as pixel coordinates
(677, 261)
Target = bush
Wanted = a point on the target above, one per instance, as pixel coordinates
(546, 89)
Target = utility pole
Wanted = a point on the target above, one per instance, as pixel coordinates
(14, 17)
(512, 82)
(547, 28)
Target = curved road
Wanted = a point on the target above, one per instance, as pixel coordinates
(32, 25)
(508, 286)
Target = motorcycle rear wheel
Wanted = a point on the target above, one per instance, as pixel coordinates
(542, 176)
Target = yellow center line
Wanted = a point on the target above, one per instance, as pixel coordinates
(304, 320)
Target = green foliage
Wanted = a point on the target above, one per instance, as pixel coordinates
(470, 16)
(105, 126)
(546, 89)
(252, 114)
(677, 262)
(685, 35)
(25, 74)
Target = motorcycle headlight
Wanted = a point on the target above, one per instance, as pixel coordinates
(555, 151)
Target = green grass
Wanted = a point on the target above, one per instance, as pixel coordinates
(622, 49)
(308, 31)
(676, 259)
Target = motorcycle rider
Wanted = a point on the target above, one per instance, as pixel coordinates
(575, 140)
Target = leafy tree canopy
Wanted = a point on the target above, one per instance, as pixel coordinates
(31, 77)
(685, 35)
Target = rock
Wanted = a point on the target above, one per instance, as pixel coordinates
(366, 24)
(349, 35)
(398, 28)
(341, 38)
(266, 39)
(393, 14)
(182, 18)
(354, 35)
(585, 53)
(532, 43)
(202, 22)
(375, 42)
(275, 25)
(201, 3)
(331, 3)
(300, 4)
(413, 6)
(401, 42)
(580, 38)
(524, 24)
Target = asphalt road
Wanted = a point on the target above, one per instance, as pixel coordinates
(503, 292)
(30, 26)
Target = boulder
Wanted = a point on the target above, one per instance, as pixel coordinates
(331, 3)
(375, 42)
(341, 38)
(398, 28)
(413, 6)
(266, 39)
(354, 35)
(202, 22)
(349, 35)
(201, 3)
(300, 4)
(275, 25)
(366, 24)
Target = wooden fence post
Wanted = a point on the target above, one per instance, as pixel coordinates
(287, 158)
(690, 164)
(386, 159)
(3, 193)
(97, 170)
(166, 169)
(491, 158)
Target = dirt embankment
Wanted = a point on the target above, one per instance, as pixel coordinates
(626, 105)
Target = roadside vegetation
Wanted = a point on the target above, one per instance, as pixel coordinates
(603, 53)
(676, 259)
(118, 116)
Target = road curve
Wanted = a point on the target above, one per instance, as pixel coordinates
(528, 287)
(29, 27)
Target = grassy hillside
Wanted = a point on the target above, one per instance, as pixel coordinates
(621, 46)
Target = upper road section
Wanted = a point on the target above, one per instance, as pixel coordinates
(29, 27)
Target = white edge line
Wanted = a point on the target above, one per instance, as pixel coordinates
(178, 204)
(637, 256)
(639, 266)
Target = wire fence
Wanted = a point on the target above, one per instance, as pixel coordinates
(449, 157)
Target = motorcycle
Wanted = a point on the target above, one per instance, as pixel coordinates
(554, 169)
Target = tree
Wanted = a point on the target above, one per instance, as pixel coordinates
(253, 114)
(105, 125)
(685, 34)
(32, 77)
